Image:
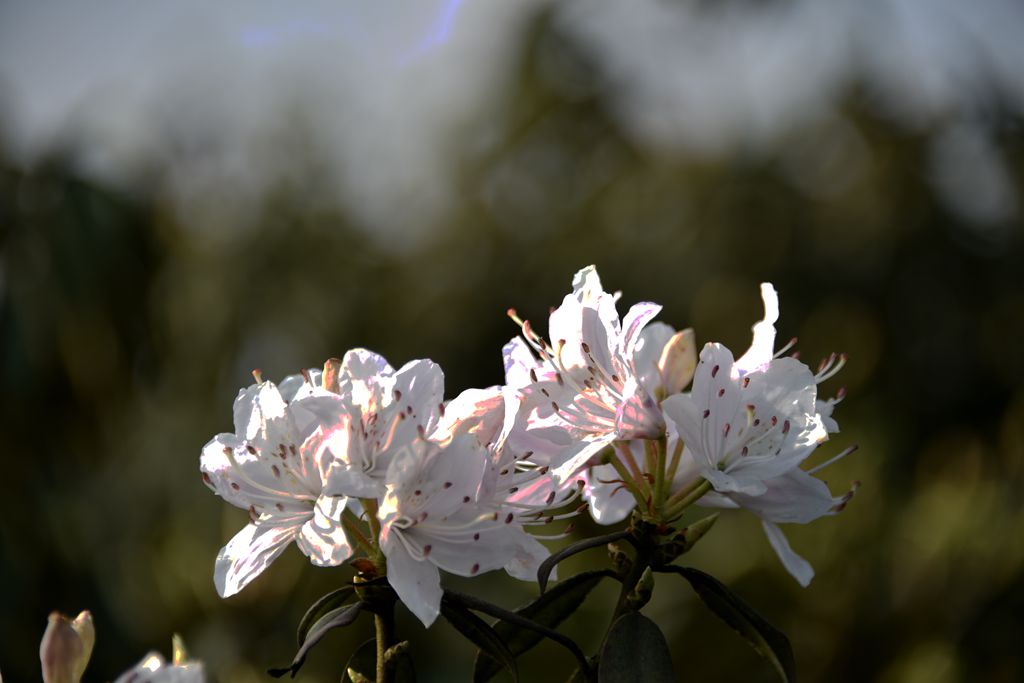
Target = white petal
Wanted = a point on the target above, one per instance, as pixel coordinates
(647, 352)
(420, 383)
(610, 503)
(763, 346)
(247, 554)
(636, 318)
(796, 498)
(418, 584)
(576, 456)
(259, 478)
(684, 416)
(519, 361)
(638, 416)
(480, 412)
(797, 566)
(364, 366)
(323, 538)
(529, 554)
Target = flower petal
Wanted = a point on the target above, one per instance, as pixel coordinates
(762, 349)
(247, 554)
(417, 583)
(576, 456)
(633, 324)
(797, 566)
(610, 501)
(323, 538)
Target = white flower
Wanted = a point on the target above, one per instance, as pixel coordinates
(371, 414)
(431, 519)
(586, 383)
(748, 425)
(266, 468)
(155, 669)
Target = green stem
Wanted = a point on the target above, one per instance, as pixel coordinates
(352, 527)
(659, 472)
(628, 481)
(626, 455)
(384, 628)
(685, 498)
(673, 466)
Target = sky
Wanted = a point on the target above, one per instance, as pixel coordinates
(393, 87)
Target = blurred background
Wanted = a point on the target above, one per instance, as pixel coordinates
(192, 190)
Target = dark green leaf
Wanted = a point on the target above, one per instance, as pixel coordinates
(769, 642)
(479, 633)
(336, 618)
(635, 650)
(550, 609)
(364, 663)
(332, 600)
(548, 565)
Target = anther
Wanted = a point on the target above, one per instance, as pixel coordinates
(257, 375)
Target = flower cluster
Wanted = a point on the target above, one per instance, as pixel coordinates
(363, 463)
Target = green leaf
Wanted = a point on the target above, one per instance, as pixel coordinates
(635, 650)
(479, 633)
(331, 601)
(336, 618)
(767, 640)
(363, 664)
(550, 609)
(548, 565)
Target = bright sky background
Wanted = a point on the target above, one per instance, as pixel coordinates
(390, 84)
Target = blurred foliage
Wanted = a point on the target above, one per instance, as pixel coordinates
(128, 321)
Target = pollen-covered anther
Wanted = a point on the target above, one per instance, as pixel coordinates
(257, 375)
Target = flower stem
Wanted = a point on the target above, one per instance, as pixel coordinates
(685, 498)
(628, 481)
(352, 527)
(384, 627)
(626, 456)
(659, 472)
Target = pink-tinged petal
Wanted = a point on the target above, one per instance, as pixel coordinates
(638, 415)
(354, 483)
(480, 412)
(762, 349)
(797, 566)
(578, 455)
(419, 385)
(632, 325)
(566, 324)
(796, 498)
(295, 387)
(417, 583)
(648, 350)
(519, 361)
(586, 285)
(435, 480)
(245, 477)
(250, 552)
(610, 501)
(363, 365)
(322, 538)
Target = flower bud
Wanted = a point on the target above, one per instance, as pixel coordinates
(66, 647)
(678, 362)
